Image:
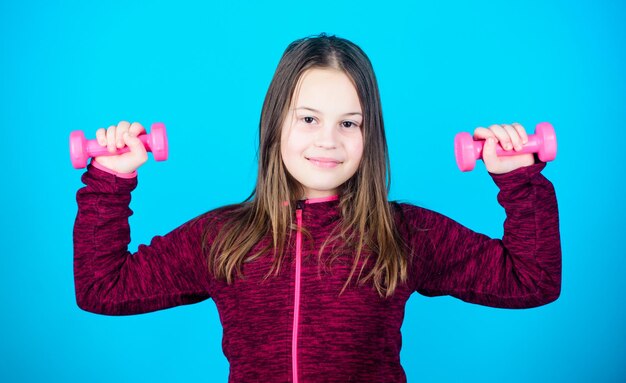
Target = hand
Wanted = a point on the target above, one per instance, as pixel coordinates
(510, 137)
(124, 134)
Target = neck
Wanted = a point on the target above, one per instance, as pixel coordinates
(322, 199)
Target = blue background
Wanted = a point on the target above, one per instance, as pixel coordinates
(204, 68)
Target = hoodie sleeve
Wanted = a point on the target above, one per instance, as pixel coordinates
(108, 279)
(521, 270)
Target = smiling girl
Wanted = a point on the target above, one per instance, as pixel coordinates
(311, 274)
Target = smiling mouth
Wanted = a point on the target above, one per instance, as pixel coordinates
(324, 162)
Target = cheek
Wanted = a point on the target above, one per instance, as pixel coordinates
(356, 148)
(285, 142)
(294, 142)
(290, 148)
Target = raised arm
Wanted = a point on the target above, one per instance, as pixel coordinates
(521, 270)
(109, 279)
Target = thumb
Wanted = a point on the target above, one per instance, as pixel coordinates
(137, 149)
(490, 158)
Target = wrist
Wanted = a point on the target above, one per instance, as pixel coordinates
(99, 166)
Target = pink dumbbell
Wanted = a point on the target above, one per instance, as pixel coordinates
(543, 142)
(81, 149)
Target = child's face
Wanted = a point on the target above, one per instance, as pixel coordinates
(321, 139)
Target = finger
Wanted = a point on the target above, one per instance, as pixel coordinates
(101, 136)
(122, 127)
(481, 133)
(514, 137)
(521, 131)
(502, 135)
(136, 129)
(136, 147)
(111, 138)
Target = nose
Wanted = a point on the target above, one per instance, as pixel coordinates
(326, 137)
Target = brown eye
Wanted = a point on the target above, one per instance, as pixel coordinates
(308, 120)
(348, 124)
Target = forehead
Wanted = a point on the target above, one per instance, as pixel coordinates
(326, 89)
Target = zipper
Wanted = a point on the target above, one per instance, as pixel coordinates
(296, 303)
(296, 300)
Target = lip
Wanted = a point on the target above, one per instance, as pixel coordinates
(324, 162)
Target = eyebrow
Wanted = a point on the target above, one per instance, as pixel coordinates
(317, 111)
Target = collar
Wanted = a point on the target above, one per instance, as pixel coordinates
(319, 212)
(321, 199)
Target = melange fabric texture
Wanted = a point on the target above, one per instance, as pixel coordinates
(354, 337)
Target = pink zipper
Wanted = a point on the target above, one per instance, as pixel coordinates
(296, 303)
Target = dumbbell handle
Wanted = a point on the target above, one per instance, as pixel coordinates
(532, 146)
(94, 149)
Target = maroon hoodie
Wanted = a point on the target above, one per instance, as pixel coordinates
(295, 327)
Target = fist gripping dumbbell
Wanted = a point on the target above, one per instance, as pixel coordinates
(543, 142)
(81, 149)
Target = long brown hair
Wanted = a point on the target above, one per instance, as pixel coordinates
(368, 222)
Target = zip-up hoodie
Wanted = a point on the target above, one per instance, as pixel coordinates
(294, 327)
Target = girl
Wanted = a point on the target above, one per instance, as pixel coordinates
(311, 274)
